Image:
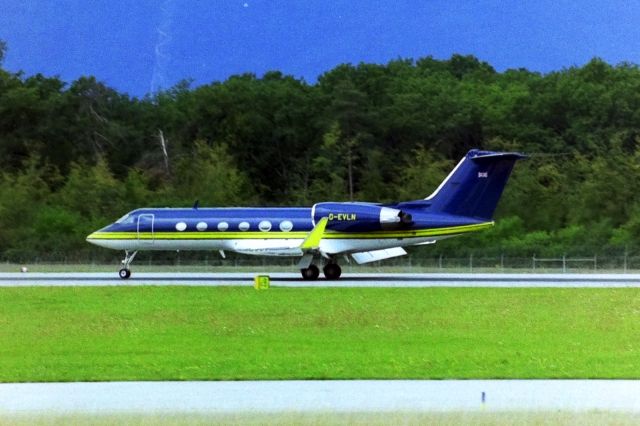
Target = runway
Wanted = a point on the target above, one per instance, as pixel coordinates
(320, 396)
(285, 279)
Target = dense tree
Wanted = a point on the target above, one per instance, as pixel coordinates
(209, 174)
(420, 173)
(368, 132)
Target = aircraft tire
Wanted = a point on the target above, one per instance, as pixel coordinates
(332, 271)
(124, 273)
(310, 273)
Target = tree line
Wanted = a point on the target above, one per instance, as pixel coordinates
(76, 156)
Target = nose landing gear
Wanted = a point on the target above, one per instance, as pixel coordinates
(125, 272)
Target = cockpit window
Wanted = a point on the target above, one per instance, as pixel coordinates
(126, 219)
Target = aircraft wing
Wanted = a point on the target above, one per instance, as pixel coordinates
(265, 248)
(424, 243)
(372, 256)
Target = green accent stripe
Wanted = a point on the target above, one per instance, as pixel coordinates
(196, 235)
(328, 234)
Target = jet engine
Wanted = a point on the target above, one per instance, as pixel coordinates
(360, 216)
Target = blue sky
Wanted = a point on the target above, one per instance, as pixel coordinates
(139, 46)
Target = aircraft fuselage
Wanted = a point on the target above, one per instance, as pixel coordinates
(275, 231)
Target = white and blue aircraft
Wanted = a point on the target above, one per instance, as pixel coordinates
(464, 202)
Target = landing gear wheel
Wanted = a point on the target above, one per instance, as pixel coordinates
(332, 271)
(125, 273)
(310, 273)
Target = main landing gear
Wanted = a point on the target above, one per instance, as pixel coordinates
(310, 273)
(125, 272)
(331, 270)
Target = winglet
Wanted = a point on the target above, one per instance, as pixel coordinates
(313, 239)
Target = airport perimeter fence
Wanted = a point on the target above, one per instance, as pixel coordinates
(212, 262)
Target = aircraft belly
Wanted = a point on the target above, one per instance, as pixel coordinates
(175, 244)
(265, 247)
(157, 244)
(116, 244)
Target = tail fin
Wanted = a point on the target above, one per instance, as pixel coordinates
(475, 185)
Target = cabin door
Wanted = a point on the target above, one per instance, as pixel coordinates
(146, 233)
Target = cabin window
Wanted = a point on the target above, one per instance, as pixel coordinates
(181, 226)
(286, 226)
(201, 226)
(126, 219)
(244, 226)
(223, 226)
(264, 226)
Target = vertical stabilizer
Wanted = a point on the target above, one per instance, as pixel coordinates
(475, 185)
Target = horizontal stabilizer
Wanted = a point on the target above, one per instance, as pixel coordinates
(372, 256)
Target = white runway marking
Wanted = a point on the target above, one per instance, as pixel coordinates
(320, 396)
(284, 279)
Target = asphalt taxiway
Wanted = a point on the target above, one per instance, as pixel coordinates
(320, 396)
(284, 279)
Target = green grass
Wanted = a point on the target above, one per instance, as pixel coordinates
(445, 418)
(215, 333)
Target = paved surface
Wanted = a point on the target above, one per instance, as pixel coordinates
(281, 279)
(310, 396)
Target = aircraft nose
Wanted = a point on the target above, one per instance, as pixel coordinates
(104, 238)
(92, 237)
(98, 235)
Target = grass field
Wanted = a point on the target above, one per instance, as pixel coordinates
(214, 333)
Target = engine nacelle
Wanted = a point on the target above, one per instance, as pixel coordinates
(360, 216)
